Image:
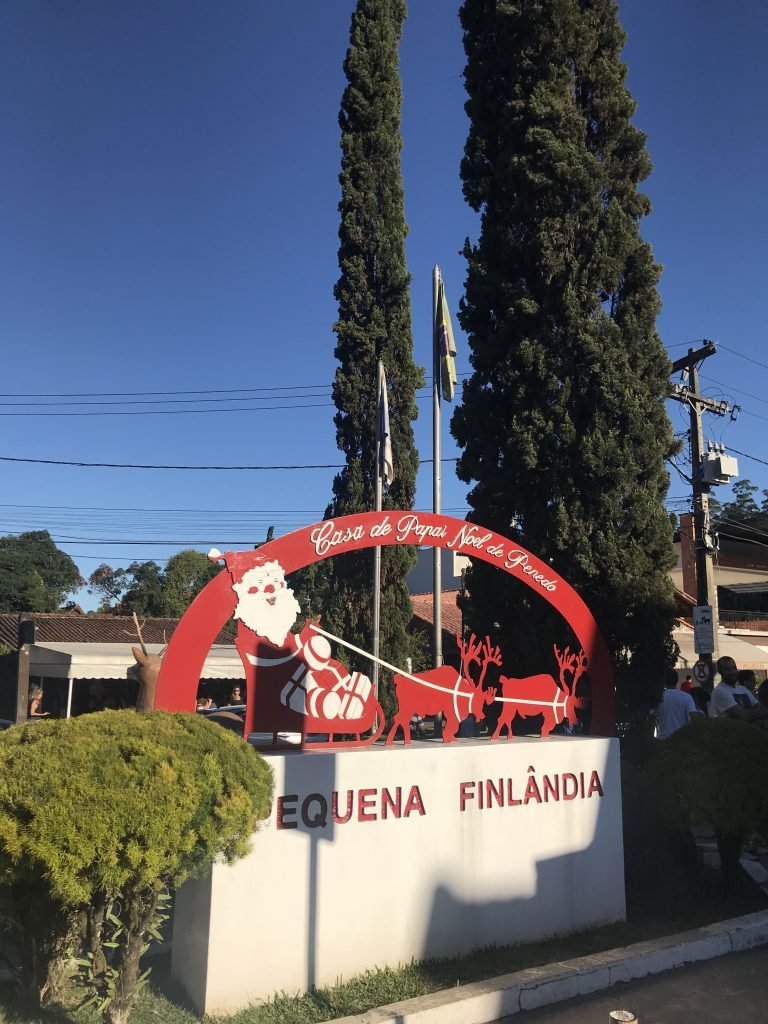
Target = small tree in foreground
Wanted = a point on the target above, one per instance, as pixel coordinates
(713, 773)
(99, 816)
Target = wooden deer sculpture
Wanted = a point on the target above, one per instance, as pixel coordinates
(147, 672)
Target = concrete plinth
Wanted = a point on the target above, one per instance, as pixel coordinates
(374, 856)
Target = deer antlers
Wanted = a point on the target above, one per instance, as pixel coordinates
(483, 653)
(470, 652)
(573, 663)
(491, 656)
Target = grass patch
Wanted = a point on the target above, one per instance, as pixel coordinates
(647, 918)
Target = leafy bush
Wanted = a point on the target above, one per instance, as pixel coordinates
(660, 859)
(714, 773)
(106, 812)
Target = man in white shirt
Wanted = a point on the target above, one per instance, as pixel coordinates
(676, 708)
(730, 699)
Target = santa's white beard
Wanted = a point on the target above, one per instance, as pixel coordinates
(272, 621)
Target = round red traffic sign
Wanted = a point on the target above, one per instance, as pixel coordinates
(701, 671)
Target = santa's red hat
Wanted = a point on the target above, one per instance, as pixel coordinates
(237, 562)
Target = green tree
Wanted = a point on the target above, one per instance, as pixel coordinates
(35, 576)
(109, 584)
(374, 324)
(144, 590)
(99, 816)
(742, 505)
(147, 589)
(563, 428)
(186, 573)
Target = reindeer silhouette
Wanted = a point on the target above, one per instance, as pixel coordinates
(445, 691)
(541, 695)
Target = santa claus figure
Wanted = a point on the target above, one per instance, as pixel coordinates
(265, 603)
(290, 677)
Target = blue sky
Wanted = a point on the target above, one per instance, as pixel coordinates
(168, 214)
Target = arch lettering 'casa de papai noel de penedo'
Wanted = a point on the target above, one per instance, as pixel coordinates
(294, 683)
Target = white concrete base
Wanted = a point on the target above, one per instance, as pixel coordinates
(446, 849)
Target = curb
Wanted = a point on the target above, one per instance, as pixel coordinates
(484, 1001)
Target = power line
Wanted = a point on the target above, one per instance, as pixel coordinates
(32, 411)
(142, 394)
(744, 455)
(178, 412)
(136, 465)
(730, 387)
(747, 540)
(126, 508)
(157, 394)
(741, 355)
(169, 401)
(742, 526)
(754, 415)
(77, 541)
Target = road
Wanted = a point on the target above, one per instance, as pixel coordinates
(725, 990)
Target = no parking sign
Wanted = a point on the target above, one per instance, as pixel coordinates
(701, 671)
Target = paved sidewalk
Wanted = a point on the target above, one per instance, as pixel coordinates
(609, 973)
(722, 991)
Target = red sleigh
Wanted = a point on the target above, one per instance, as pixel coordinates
(279, 686)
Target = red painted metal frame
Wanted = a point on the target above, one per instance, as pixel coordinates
(197, 630)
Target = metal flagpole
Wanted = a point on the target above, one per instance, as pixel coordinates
(377, 549)
(437, 583)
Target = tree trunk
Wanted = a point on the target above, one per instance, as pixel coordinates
(95, 931)
(137, 916)
(45, 936)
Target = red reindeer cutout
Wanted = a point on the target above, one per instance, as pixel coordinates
(444, 691)
(541, 695)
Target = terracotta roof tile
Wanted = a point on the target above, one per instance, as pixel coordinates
(451, 615)
(63, 628)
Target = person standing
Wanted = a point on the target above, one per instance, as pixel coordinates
(732, 700)
(747, 679)
(676, 708)
(36, 704)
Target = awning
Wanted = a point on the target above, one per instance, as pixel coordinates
(113, 661)
(745, 655)
(745, 588)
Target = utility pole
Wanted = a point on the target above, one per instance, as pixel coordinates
(437, 578)
(688, 393)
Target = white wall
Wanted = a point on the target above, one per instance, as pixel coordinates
(310, 905)
(420, 579)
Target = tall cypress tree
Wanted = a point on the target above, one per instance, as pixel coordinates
(563, 428)
(374, 324)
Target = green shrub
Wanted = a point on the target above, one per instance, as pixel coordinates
(106, 812)
(714, 773)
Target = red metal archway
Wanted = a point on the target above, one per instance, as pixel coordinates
(197, 630)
